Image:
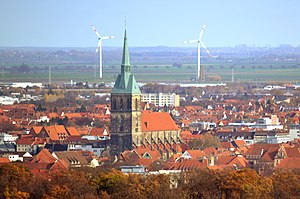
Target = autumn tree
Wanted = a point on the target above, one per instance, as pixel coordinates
(206, 141)
(286, 184)
(110, 182)
(13, 178)
(15, 194)
(246, 183)
(203, 184)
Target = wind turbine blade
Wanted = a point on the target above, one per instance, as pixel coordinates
(107, 37)
(191, 41)
(205, 47)
(97, 49)
(96, 32)
(201, 33)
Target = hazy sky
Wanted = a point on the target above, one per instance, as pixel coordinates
(66, 23)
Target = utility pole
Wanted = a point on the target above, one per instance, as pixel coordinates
(49, 75)
(232, 74)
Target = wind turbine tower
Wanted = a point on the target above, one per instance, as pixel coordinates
(100, 47)
(200, 43)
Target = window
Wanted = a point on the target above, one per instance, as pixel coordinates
(114, 106)
(121, 104)
(136, 104)
(128, 104)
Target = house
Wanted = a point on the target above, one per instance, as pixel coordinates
(266, 157)
(97, 133)
(44, 161)
(289, 163)
(230, 162)
(73, 159)
(17, 156)
(187, 165)
(141, 156)
(194, 154)
(29, 144)
(7, 138)
(54, 133)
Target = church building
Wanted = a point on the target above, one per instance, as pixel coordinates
(129, 128)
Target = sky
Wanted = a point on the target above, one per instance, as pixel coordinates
(67, 23)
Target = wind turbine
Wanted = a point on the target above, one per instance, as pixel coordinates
(200, 43)
(100, 46)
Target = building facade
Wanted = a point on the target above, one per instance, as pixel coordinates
(125, 108)
(162, 99)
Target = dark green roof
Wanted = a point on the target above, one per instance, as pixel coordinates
(125, 82)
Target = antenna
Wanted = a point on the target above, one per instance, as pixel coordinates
(200, 43)
(100, 47)
(125, 23)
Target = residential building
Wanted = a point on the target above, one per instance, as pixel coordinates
(161, 99)
(294, 131)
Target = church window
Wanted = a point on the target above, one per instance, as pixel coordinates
(121, 104)
(136, 104)
(128, 104)
(114, 106)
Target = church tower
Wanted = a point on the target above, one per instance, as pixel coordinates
(125, 115)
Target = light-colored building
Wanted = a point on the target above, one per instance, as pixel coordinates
(268, 123)
(5, 100)
(271, 137)
(294, 131)
(161, 99)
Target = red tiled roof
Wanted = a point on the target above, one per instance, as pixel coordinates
(292, 152)
(44, 156)
(72, 131)
(55, 132)
(72, 115)
(190, 164)
(157, 121)
(36, 129)
(25, 141)
(195, 154)
(4, 160)
(289, 163)
(97, 131)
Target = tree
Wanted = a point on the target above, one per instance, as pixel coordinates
(13, 177)
(286, 184)
(246, 183)
(15, 194)
(206, 141)
(110, 182)
(203, 184)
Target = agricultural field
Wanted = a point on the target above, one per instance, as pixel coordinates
(148, 66)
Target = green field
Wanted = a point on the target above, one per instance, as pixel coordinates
(243, 71)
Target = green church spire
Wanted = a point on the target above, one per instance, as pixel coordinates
(125, 82)
(125, 59)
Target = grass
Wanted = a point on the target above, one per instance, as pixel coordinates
(244, 71)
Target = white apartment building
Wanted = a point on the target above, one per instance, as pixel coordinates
(161, 99)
